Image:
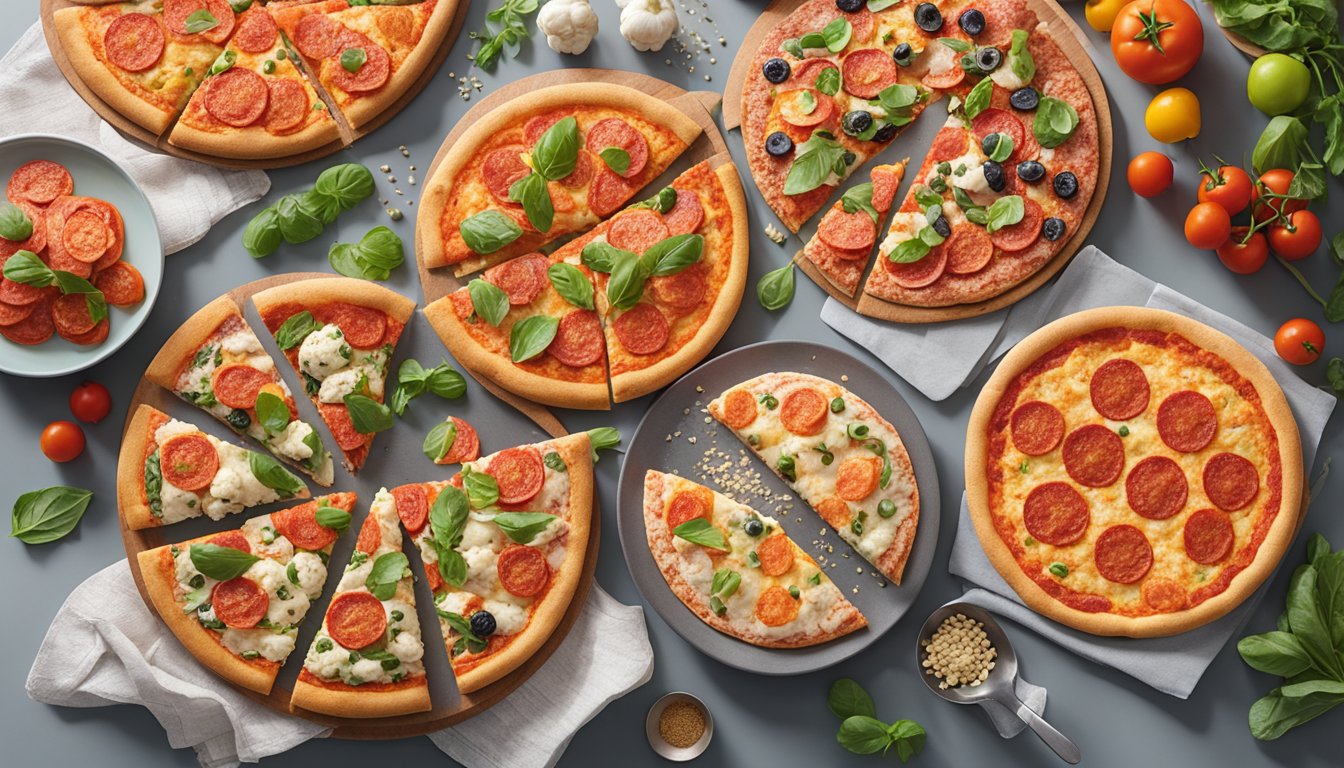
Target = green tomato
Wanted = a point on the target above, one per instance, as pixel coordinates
(1278, 84)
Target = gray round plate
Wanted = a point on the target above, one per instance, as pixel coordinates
(679, 414)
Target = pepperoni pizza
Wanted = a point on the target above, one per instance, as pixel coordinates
(235, 599)
(339, 333)
(738, 570)
(1133, 472)
(844, 240)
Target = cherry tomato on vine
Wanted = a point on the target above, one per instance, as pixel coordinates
(90, 402)
(1157, 41)
(1244, 258)
(1276, 181)
(1150, 174)
(1299, 238)
(1207, 226)
(1228, 186)
(62, 441)
(1299, 341)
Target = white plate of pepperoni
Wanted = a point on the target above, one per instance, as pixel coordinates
(93, 261)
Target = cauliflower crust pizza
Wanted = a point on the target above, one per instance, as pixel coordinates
(1133, 472)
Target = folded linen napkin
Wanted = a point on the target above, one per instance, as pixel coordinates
(105, 647)
(188, 197)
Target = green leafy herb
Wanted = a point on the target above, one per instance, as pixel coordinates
(447, 519)
(523, 527)
(1020, 60)
(373, 258)
(414, 380)
(860, 198)
(553, 461)
(25, 267)
(836, 34)
(504, 32)
(270, 474)
(488, 231)
(223, 62)
(44, 516)
(1280, 145)
(860, 730)
(617, 159)
(154, 484)
(482, 490)
(293, 331)
(601, 256)
(221, 563)
(334, 518)
(348, 184)
(603, 439)
(272, 413)
(388, 569)
(775, 289)
(262, 235)
(1005, 212)
(818, 158)
(489, 301)
(367, 415)
(557, 151)
(440, 440)
(978, 99)
(572, 285)
(1055, 122)
(352, 59)
(1059, 569)
(531, 191)
(661, 202)
(701, 531)
(881, 5)
(723, 586)
(531, 336)
(828, 81)
(468, 642)
(898, 101)
(201, 21)
(626, 284)
(14, 223)
(298, 221)
(673, 255)
(1000, 146)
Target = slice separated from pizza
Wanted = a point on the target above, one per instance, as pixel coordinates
(542, 166)
(837, 453)
(255, 103)
(170, 470)
(339, 333)
(843, 243)
(215, 362)
(235, 599)
(503, 544)
(367, 660)
(738, 571)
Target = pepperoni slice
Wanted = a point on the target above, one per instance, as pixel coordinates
(805, 107)
(71, 315)
(318, 36)
(466, 446)
(232, 540)
(867, 71)
(519, 474)
(835, 511)
(397, 23)
(371, 76)
(608, 192)
(35, 241)
(41, 181)
(1056, 514)
(1208, 536)
(286, 106)
(189, 461)
(995, 120)
(948, 144)
(412, 507)
(96, 335)
(364, 327)
(637, 231)
(37, 327)
(776, 555)
(918, 274)
(776, 607)
(804, 411)
(1020, 236)
(1187, 421)
(1037, 427)
(370, 536)
(237, 97)
(85, 237)
(356, 619)
(1156, 488)
(1123, 554)
(969, 249)
(18, 293)
(683, 292)
(686, 215)
(342, 429)
(536, 126)
(1230, 481)
(847, 231)
(14, 313)
(236, 385)
(642, 329)
(739, 409)
(133, 42)
(806, 72)
(256, 31)
(433, 579)
(240, 603)
(886, 180)
(116, 228)
(856, 478)
(523, 570)
(615, 132)
(578, 339)
(688, 505)
(176, 13)
(1094, 455)
(299, 525)
(862, 23)
(1164, 595)
(502, 167)
(949, 78)
(522, 279)
(122, 284)
(582, 173)
(1119, 389)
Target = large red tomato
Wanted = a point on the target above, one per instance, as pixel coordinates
(1157, 41)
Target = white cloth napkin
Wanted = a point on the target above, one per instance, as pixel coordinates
(188, 197)
(105, 647)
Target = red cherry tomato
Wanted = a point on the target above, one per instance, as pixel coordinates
(1150, 174)
(1276, 181)
(1228, 186)
(1299, 341)
(1299, 238)
(1244, 259)
(62, 441)
(90, 402)
(1208, 226)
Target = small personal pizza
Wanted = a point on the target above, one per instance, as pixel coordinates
(503, 545)
(170, 470)
(367, 660)
(215, 362)
(738, 571)
(837, 453)
(843, 243)
(339, 333)
(255, 103)
(1133, 472)
(544, 165)
(235, 599)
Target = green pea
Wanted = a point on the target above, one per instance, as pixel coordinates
(886, 508)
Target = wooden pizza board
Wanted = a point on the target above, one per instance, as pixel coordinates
(416, 724)
(1075, 46)
(135, 131)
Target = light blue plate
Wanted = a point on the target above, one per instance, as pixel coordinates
(96, 175)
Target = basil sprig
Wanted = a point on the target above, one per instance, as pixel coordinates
(389, 569)
(629, 272)
(898, 102)
(1005, 212)
(201, 21)
(700, 531)
(373, 258)
(334, 518)
(860, 198)
(352, 59)
(553, 158)
(25, 267)
(977, 100)
(1055, 122)
(220, 563)
(272, 412)
(414, 380)
(44, 516)
(489, 230)
(440, 440)
(572, 285)
(523, 527)
(482, 490)
(775, 288)
(294, 330)
(14, 223)
(347, 184)
(368, 416)
(603, 439)
(1020, 60)
(270, 474)
(301, 216)
(447, 521)
(459, 624)
(819, 158)
(860, 730)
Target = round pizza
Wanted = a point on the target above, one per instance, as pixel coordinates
(1133, 472)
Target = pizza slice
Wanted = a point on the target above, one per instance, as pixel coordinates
(170, 470)
(542, 166)
(235, 599)
(144, 59)
(339, 333)
(503, 545)
(837, 453)
(255, 103)
(367, 659)
(215, 362)
(738, 571)
(844, 240)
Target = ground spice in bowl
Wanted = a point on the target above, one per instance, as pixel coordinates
(681, 724)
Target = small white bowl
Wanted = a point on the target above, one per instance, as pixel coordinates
(665, 750)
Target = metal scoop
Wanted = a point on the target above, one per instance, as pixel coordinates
(999, 686)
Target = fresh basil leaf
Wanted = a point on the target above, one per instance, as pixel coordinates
(775, 289)
(828, 81)
(272, 413)
(201, 21)
(220, 563)
(557, 151)
(1280, 144)
(672, 255)
(626, 285)
(661, 202)
(700, 531)
(25, 267)
(602, 439)
(909, 251)
(523, 527)
(807, 103)
(617, 159)
(323, 207)
(448, 516)
(239, 6)
(154, 484)
(1308, 182)
(860, 198)
(531, 336)
(531, 191)
(488, 231)
(601, 256)
(837, 34)
(14, 223)
(1275, 653)
(896, 100)
(812, 40)
(927, 197)
(908, 737)
(262, 235)
(440, 440)
(1020, 60)
(297, 221)
(1055, 122)
(223, 62)
(293, 331)
(44, 516)
(572, 285)
(793, 47)
(863, 735)
(348, 184)
(352, 59)
(977, 100)
(956, 44)
(446, 382)
(334, 518)
(847, 698)
(270, 474)
(375, 256)
(482, 490)
(461, 626)
(367, 415)
(1000, 146)
(814, 165)
(553, 461)
(70, 283)
(489, 301)
(389, 569)
(1005, 212)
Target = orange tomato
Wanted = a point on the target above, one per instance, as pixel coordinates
(1228, 186)
(1157, 41)
(1207, 226)
(1150, 174)
(1299, 341)
(1247, 258)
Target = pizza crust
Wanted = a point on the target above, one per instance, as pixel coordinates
(341, 700)
(367, 108)
(135, 444)
(166, 366)
(1245, 583)
(253, 143)
(326, 290)
(94, 74)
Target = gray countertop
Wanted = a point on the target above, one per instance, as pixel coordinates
(760, 720)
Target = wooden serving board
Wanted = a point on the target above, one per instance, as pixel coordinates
(135, 131)
(448, 710)
(1075, 46)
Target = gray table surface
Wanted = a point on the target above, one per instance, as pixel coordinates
(760, 720)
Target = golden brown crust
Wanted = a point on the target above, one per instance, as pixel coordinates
(253, 143)
(325, 290)
(178, 349)
(1271, 550)
(135, 513)
(366, 109)
(94, 73)
(351, 701)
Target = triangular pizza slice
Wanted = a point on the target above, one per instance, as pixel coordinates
(843, 243)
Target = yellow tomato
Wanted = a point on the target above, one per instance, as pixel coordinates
(1173, 115)
(1101, 13)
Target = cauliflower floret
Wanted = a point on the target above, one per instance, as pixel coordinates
(312, 574)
